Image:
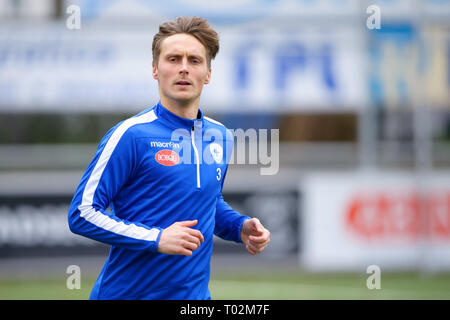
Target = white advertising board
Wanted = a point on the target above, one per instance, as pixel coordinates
(390, 219)
(46, 67)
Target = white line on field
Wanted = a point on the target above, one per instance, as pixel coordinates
(260, 284)
(283, 284)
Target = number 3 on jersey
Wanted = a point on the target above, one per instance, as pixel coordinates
(219, 174)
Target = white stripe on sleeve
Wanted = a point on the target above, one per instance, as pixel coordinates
(98, 218)
(213, 121)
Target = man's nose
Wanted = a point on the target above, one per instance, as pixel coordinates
(184, 66)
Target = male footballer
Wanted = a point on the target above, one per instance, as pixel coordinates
(161, 174)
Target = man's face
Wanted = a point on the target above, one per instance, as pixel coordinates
(182, 69)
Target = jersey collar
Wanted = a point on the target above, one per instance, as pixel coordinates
(175, 121)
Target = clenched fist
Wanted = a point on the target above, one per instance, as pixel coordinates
(254, 236)
(180, 238)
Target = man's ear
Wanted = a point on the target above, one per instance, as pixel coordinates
(154, 71)
(208, 76)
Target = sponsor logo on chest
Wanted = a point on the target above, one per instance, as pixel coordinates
(167, 144)
(167, 157)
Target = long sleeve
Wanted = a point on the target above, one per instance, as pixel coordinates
(228, 221)
(114, 163)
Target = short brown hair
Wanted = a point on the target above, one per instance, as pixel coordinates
(195, 26)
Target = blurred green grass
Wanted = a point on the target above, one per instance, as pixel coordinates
(263, 285)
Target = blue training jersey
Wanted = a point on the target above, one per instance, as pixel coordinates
(152, 170)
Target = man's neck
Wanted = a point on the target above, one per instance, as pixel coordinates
(188, 110)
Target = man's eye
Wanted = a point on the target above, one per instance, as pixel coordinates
(195, 61)
(172, 59)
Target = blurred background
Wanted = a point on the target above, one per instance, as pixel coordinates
(359, 91)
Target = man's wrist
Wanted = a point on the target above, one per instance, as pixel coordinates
(155, 245)
(241, 229)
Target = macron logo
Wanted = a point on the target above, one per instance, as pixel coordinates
(159, 144)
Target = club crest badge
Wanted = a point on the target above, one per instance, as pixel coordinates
(216, 152)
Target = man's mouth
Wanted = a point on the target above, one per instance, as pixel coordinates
(183, 83)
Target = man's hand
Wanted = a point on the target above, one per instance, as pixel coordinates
(255, 236)
(180, 239)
